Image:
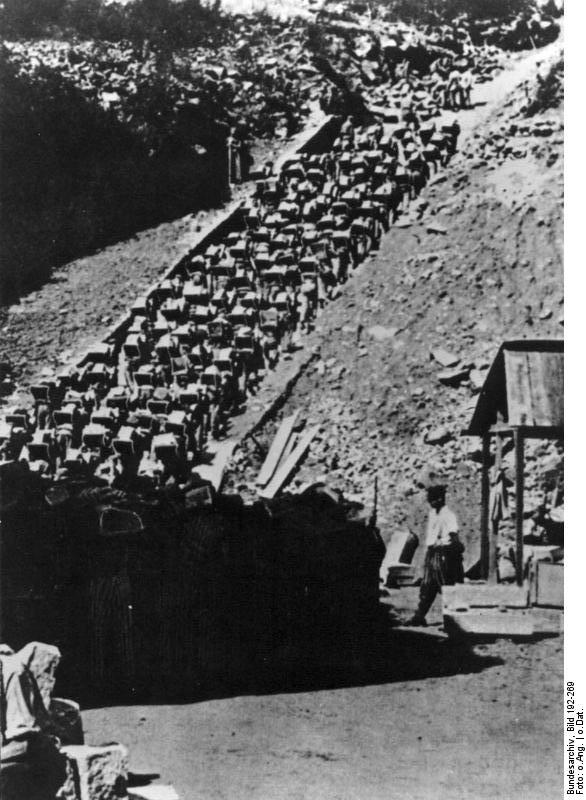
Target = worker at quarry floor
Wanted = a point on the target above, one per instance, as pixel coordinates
(443, 560)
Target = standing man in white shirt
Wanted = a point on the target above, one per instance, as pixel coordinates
(466, 81)
(443, 559)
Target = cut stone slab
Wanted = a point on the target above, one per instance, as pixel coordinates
(95, 773)
(549, 583)
(436, 227)
(42, 660)
(466, 596)
(438, 436)
(380, 334)
(444, 357)
(155, 792)
(477, 378)
(401, 575)
(452, 377)
(549, 621)
(484, 623)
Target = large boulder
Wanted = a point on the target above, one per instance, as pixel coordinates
(95, 773)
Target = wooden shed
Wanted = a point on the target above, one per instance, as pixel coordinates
(522, 398)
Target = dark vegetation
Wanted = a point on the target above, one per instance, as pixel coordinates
(162, 23)
(75, 177)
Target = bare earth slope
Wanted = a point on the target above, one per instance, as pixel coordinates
(434, 721)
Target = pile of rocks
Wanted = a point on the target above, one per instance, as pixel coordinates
(515, 141)
(248, 80)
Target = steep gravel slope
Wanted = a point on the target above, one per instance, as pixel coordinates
(494, 272)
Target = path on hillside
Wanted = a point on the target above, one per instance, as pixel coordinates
(488, 98)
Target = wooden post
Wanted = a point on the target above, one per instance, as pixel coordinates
(519, 486)
(494, 527)
(484, 507)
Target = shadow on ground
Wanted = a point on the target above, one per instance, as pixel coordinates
(391, 656)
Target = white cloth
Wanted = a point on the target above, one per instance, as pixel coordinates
(440, 524)
(23, 711)
(466, 79)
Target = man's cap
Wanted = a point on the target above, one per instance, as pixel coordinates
(433, 478)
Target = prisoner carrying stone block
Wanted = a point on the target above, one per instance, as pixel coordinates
(42, 660)
(95, 773)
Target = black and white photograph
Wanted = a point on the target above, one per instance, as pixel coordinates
(282, 401)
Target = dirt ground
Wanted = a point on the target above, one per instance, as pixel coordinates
(421, 717)
(428, 721)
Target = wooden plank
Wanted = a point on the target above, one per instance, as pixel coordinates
(518, 388)
(283, 473)
(548, 620)
(485, 508)
(553, 369)
(519, 491)
(538, 380)
(289, 447)
(533, 432)
(218, 453)
(535, 388)
(276, 449)
(494, 527)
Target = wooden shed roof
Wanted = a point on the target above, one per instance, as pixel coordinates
(524, 388)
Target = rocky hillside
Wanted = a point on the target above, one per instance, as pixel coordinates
(478, 261)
